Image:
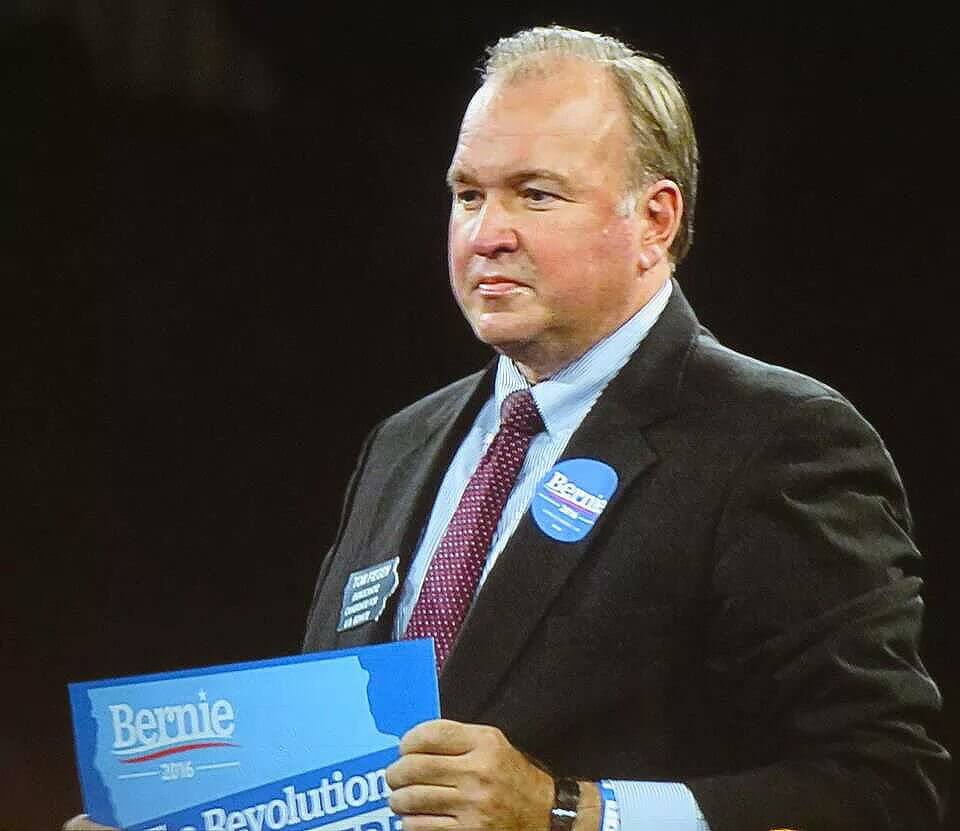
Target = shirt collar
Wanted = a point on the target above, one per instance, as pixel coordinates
(563, 397)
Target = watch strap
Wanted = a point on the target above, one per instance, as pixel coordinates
(566, 799)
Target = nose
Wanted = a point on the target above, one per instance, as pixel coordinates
(494, 232)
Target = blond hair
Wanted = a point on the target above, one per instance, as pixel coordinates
(665, 145)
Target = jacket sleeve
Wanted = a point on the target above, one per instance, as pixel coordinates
(813, 638)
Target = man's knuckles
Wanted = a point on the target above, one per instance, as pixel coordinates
(443, 736)
(437, 736)
(423, 799)
(425, 769)
(489, 738)
(403, 772)
(481, 771)
(481, 795)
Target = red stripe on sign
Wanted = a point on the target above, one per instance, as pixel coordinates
(171, 750)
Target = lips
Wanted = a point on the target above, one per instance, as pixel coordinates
(498, 285)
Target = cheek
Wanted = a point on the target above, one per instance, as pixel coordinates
(617, 242)
(587, 257)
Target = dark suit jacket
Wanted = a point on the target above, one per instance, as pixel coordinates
(742, 617)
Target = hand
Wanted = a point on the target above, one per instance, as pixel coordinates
(468, 776)
(81, 822)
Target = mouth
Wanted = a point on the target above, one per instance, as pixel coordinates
(499, 286)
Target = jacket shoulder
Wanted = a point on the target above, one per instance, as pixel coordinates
(751, 397)
(723, 371)
(745, 402)
(450, 398)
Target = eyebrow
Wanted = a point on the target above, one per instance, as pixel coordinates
(463, 176)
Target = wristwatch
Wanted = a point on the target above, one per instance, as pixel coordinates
(566, 799)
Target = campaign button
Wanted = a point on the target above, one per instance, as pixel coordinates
(570, 498)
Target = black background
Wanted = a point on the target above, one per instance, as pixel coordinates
(223, 260)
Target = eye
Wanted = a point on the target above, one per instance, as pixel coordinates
(537, 196)
(468, 198)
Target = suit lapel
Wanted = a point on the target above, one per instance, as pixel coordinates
(533, 568)
(408, 496)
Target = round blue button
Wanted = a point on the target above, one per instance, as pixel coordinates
(571, 497)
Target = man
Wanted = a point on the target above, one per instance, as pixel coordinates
(693, 581)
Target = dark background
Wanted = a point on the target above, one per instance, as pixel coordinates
(222, 259)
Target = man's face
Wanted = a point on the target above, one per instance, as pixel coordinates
(543, 254)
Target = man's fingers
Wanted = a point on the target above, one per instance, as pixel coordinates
(425, 822)
(425, 769)
(441, 736)
(81, 822)
(424, 799)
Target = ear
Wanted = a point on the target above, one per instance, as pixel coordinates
(660, 209)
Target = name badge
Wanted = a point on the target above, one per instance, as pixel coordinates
(366, 593)
(570, 498)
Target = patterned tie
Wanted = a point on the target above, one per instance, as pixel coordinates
(454, 572)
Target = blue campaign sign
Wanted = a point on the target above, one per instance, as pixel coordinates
(571, 497)
(253, 746)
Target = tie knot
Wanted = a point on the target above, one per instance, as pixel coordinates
(519, 413)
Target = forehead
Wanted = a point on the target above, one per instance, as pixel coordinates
(567, 113)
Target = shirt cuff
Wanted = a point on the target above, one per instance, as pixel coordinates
(657, 806)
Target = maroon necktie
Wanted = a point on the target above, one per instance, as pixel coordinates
(454, 572)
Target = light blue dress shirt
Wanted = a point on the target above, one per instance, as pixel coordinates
(564, 400)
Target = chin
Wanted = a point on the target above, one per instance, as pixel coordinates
(507, 340)
(504, 331)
